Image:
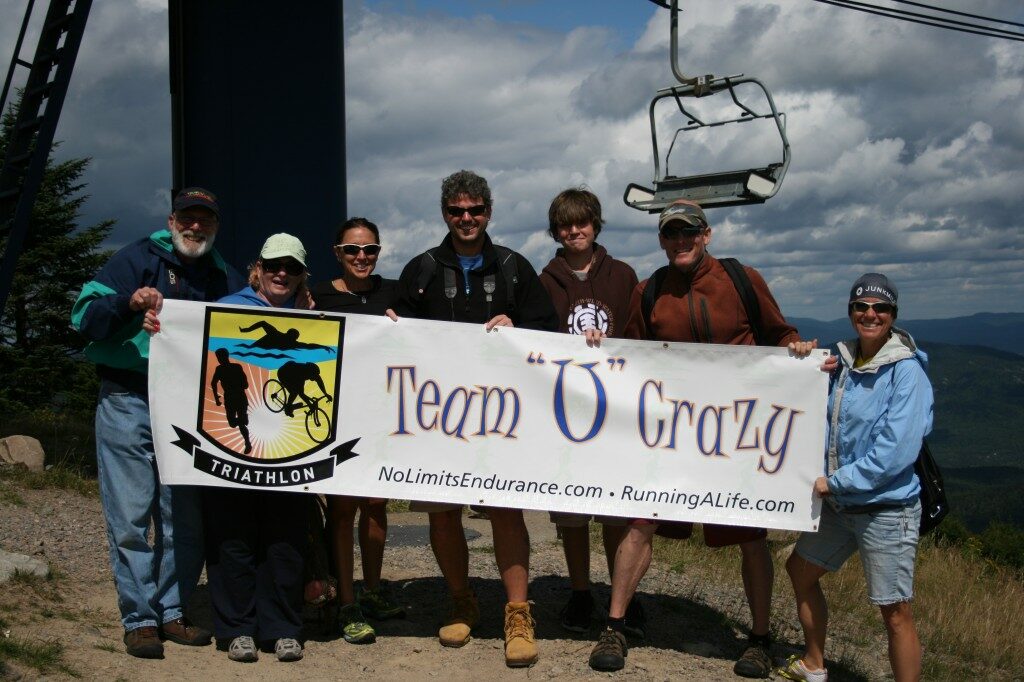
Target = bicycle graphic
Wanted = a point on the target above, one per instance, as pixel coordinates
(318, 423)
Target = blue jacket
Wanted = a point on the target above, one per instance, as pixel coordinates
(117, 342)
(878, 415)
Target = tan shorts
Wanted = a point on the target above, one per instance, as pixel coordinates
(570, 520)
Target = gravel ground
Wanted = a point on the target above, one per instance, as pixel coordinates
(690, 630)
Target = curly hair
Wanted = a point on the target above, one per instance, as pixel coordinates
(574, 206)
(464, 183)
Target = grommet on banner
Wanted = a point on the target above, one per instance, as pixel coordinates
(665, 346)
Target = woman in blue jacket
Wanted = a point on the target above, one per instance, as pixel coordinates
(879, 410)
(254, 538)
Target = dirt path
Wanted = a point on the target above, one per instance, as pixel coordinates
(687, 638)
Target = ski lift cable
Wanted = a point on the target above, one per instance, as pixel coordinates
(956, 12)
(952, 22)
(938, 22)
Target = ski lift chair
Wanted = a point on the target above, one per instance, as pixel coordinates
(710, 190)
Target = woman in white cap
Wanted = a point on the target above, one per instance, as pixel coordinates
(356, 246)
(255, 539)
(879, 410)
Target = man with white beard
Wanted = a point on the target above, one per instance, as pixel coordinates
(153, 581)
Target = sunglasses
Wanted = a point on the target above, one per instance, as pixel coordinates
(289, 265)
(673, 231)
(879, 308)
(190, 220)
(354, 249)
(457, 211)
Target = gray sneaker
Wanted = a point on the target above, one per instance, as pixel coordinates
(288, 649)
(243, 649)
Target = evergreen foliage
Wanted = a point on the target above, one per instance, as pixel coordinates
(39, 350)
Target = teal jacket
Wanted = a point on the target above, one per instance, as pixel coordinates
(101, 314)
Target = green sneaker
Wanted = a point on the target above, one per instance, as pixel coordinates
(353, 625)
(377, 603)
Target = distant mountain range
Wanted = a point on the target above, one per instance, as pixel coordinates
(1003, 331)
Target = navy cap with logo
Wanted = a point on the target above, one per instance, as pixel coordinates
(689, 214)
(196, 196)
(874, 285)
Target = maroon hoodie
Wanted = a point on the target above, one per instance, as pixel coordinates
(601, 301)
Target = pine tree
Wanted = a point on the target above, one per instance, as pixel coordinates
(39, 351)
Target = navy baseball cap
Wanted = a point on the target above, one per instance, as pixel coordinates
(196, 196)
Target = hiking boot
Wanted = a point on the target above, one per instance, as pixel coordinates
(377, 603)
(353, 625)
(288, 649)
(796, 669)
(463, 616)
(143, 642)
(243, 649)
(576, 615)
(610, 652)
(755, 660)
(636, 621)
(520, 649)
(181, 631)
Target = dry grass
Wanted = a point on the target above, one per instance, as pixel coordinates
(969, 613)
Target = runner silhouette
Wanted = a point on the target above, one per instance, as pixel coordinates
(231, 378)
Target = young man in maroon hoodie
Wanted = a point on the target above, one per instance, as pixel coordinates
(590, 291)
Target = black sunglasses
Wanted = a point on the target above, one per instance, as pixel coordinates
(881, 308)
(354, 249)
(290, 265)
(475, 211)
(673, 231)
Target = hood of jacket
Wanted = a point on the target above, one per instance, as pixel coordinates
(560, 271)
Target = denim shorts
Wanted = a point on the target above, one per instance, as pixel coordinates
(887, 541)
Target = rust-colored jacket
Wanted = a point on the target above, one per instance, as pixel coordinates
(706, 308)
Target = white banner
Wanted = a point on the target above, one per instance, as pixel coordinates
(423, 410)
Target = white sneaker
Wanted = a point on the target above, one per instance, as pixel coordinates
(796, 670)
(243, 649)
(288, 649)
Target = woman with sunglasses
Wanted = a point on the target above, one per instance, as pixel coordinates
(358, 290)
(254, 547)
(879, 410)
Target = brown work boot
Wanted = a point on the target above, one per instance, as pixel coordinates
(463, 616)
(180, 631)
(143, 642)
(520, 649)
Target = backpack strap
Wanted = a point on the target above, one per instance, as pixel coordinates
(510, 271)
(745, 289)
(428, 266)
(650, 294)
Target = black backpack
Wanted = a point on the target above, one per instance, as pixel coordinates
(739, 279)
(934, 506)
(506, 261)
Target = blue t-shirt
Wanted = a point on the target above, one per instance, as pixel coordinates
(468, 263)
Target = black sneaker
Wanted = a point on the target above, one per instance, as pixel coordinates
(636, 621)
(755, 660)
(578, 612)
(610, 652)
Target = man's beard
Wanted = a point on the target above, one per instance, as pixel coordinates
(191, 249)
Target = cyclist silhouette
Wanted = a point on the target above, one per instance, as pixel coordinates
(293, 377)
(273, 339)
(231, 378)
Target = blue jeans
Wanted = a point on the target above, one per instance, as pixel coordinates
(153, 581)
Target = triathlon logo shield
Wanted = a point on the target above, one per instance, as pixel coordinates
(269, 383)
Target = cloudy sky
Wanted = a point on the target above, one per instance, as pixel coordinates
(908, 141)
